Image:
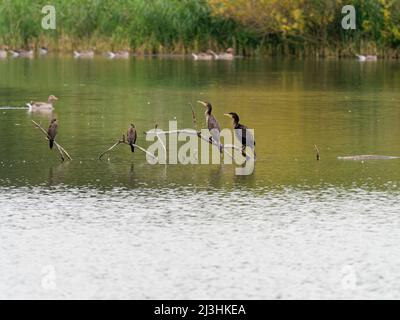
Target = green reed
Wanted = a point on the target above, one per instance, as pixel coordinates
(182, 26)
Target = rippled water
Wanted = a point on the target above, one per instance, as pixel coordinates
(120, 228)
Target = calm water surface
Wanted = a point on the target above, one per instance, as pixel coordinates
(121, 228)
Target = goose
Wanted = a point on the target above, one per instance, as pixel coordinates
(212, 124)
(366, 58)
(132, 136)
(43, 51)
(84, 54)
(228, 55)
(35, 106)
(242, 134)
(52, 132)
(209, 55)
(118, 55)
(22, 53)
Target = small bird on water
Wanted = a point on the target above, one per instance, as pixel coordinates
(242, 133)
(132, 136)
(52, 132)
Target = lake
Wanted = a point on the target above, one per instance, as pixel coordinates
(122, 228)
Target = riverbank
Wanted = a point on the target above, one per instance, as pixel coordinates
(263, 28)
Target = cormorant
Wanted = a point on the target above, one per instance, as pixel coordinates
(212, 124)
(52, 132)
(132, 136)
(242, 133)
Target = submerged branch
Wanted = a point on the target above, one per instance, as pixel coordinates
(317, 151)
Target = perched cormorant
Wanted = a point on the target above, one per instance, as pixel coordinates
(52, 132)
(132, 136)
(212, 124)
(242, 133)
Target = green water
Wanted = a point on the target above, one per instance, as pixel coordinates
(346, 108)
(122, 228)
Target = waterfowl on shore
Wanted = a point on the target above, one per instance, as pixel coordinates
(228, 55)
(43, 51)
(209, 55)
(84, 54)
(132, 136)
(242, 133)
(22, 53)
(36, 106)
(367, 58)
(118, 55)
(212, 124)
(3, 54)
(52, 132)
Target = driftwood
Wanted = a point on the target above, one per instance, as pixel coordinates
(367, 158)
(60, 149)
(123, 141)
(198, 134)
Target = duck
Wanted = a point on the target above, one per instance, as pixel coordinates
(118, 54)
(132, 136)
(242, 133)
(84, 54)
(48, 106)
(212, 124)
(367, 58)
(52, 132)
(209, 55)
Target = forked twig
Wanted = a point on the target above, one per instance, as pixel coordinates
(123, 141)
(60, 149)
(193, 116)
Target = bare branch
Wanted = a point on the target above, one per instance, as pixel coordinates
(60, 149)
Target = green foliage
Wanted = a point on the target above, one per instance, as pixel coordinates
(269, 26)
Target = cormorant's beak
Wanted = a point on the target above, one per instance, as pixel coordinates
(203, 103)
(228, 115)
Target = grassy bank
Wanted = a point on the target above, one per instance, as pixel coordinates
(262, 27)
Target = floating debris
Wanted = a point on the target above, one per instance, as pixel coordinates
(367, 158)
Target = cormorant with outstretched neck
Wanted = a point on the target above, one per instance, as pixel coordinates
(132, 136)
(242, 133)
(52, 132)
(212, 124)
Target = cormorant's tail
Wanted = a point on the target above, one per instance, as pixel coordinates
(51, 142)
(132, 148)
